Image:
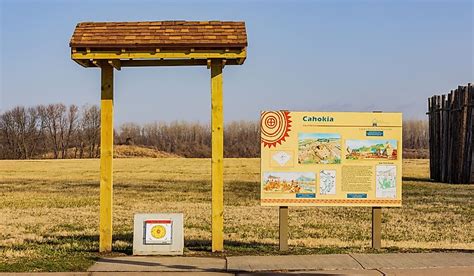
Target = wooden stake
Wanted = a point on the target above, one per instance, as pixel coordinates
(283, 222)
(376, 227)
(106, 156)
(217, 122)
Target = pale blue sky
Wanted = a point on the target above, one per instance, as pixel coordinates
(302, 56)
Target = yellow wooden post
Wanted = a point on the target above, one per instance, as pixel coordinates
(283, 229)
(217, 122)
(106, 156)
(376, 227)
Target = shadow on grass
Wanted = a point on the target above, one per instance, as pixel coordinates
(238, 248)
(416, 179)
(230, 247)
(199, 247)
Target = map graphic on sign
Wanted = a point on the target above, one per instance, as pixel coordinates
(386, 178)
(328, 182)
(158, 231)
(282, 157)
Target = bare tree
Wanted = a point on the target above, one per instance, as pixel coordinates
(415, 134)
(67, 127)
(129, 134)
(10, 138)
(52, 116)
(242, 139)
(21, 131)
(90, 128)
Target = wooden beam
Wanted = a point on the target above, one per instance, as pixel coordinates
(164, 62)
(107, 63)
(115, 63)
(376, 227)
(153, 62)
(210, 54)
(106, 157)
(84, 62)
(283, 227)
(217, 123)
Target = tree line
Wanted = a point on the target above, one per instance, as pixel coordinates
(56, 129)
(416, 134)
(190, 139)
(60, 131)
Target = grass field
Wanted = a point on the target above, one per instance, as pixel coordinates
(49, 212)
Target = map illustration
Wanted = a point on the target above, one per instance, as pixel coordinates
(328, 182)
(282, 157)
(386, 180)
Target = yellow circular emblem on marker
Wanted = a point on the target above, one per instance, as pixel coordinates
(158, 231)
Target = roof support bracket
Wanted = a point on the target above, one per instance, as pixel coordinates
(116, 64)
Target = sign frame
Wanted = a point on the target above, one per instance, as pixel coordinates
(374, 156)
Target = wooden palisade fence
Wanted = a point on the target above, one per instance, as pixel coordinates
(451, 120)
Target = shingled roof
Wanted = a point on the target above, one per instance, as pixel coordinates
(160, 34)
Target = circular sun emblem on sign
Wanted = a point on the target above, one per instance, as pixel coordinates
(274, 127)
(158, 231)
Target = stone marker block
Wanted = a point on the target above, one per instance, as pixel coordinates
(158, 234)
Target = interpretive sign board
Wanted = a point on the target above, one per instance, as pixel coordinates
(331, 158)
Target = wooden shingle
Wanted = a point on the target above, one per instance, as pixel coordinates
(160, 34)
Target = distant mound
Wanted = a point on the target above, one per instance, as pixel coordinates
(120, 151)
(130, 151)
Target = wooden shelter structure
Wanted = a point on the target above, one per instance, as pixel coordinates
(115, 45)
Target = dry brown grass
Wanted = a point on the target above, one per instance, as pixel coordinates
(416, 153)
(49, 212)
(132, 151)
(120, 151)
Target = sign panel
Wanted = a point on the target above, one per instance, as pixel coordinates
(158, 231)
(331, 158)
